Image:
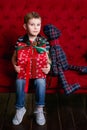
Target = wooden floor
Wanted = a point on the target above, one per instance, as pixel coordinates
(62, 112)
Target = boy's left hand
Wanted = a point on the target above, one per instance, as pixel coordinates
(47, 69)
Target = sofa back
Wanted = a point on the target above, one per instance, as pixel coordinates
(69, 16)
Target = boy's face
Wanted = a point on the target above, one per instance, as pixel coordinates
(33, 26)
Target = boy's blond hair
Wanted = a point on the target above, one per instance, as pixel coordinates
(30, 16)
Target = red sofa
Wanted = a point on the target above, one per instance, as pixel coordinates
(69, 16)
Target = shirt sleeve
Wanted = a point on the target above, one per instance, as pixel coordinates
(47, 46)
(20, 39)
(16, 45)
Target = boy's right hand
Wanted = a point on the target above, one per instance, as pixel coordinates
(17, 68)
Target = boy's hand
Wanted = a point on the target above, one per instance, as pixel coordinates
(17, 68)
(47, 69)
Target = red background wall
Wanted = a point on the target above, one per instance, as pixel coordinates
(70, 16)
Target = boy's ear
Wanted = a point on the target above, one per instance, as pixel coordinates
(24, 26)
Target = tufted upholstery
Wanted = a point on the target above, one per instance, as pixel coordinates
(69, 16)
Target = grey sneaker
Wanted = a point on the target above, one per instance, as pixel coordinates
(40, 118)
(19, 116)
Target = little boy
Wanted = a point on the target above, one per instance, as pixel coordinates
(31, 62)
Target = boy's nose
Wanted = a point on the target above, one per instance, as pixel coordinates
(35, 27)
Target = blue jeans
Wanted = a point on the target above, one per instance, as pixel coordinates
(40, 87)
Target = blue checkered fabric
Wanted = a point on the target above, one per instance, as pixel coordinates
(51, 32)
(81, 69)
(59, 60)
(58, 57)
(59, 65)
(68, 88)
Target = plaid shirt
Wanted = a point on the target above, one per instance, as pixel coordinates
(25, 39)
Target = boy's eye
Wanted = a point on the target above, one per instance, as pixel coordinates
(32, 24)
(38, 24)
